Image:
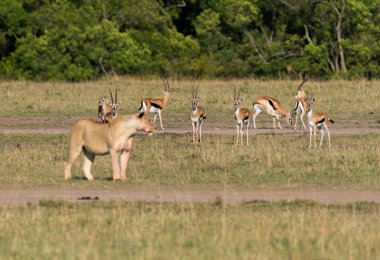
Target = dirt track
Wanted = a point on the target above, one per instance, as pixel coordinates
(62, 125)
(20, 196)
(57, 125)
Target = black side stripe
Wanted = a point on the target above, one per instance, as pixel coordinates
(156, 106)
(271, 103)
(321, 121)
(297, 105)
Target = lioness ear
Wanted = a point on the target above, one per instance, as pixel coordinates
(141, 114)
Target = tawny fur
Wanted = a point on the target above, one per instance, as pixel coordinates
(273, 107)
(300, 104)
(242, 117)
(95, 138)
(317, 120)
(197, 114)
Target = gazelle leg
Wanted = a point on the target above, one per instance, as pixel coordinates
(328, 135)
(200, 129)
(154, 118)
(322, 135)
(303, 123)
(274, 122)
(88, 159)
(315, 136)
(257, 112)
(193, 124)
(295, 125)
(237, 134)
(159, 115)
(241, 134)
(311, 134)
(278, 121)
(247, 132)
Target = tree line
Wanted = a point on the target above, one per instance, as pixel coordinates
(87, 39)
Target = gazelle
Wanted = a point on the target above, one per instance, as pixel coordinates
(155, 105)
(107, 111)
(116, 138)
(273, 108)
(242, 116)
(197, 114)
(317, 120)
(300, 106)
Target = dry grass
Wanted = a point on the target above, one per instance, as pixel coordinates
(342, 99)
(190, 231)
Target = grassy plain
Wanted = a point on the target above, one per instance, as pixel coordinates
(272, 161)
(281, 230)
(114, 230)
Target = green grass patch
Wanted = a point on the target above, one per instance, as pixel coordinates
(272, 160)
(281, 230)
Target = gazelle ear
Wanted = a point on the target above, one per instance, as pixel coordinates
(198, 98)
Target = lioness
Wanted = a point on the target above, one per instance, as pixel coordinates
(114, 138)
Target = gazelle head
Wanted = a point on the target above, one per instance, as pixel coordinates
(114, 105)
(194, 99)
(236, 100)
(145, 124)
(103, 108)
(310, 103)
(300, 92)
(166, 90)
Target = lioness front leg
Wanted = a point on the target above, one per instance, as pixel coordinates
(115, 165)
(124, 159)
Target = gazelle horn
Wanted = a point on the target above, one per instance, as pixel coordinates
(111, 96)
(303, 81)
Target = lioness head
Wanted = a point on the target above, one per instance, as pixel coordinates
(145, 124)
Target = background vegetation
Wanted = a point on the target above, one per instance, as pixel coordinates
(86, 39)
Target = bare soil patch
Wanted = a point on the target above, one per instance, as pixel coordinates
(23, 196)
(178, 125)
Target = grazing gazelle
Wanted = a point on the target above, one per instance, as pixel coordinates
(107, 111)
(301, 105)
(317, 120)
(197, 114)
(273, 108)
(242, 116)
(116, 138)
(155, 105)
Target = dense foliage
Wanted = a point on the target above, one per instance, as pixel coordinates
(86, 39)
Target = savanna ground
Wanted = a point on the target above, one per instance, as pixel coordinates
(34, 135)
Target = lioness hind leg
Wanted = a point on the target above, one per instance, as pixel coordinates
(73, 154)
(88, 159)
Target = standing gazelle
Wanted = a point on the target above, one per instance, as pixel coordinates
(317, 120)
(301, 105)
(273, 108)
(155, 105)
(107, 111)
(242, 116)
(197, 114)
